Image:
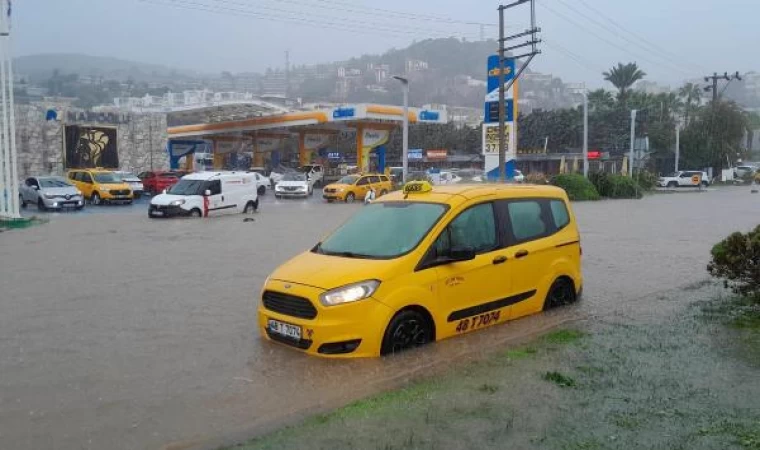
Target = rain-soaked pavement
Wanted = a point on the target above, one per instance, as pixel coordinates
(121, 332)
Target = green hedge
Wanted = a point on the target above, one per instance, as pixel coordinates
(615, 186)
(578, 188)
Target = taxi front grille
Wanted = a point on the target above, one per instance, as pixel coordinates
(290, 305)
(330, 190)
(119, 192)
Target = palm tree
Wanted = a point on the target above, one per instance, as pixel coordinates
(691, 94)
(600, 99)
(623, 76)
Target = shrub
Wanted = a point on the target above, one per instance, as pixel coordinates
(577, 186)
(536, 178)
(646, 179)
(736, 260)
(615, 186)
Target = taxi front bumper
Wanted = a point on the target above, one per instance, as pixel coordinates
(345, 331)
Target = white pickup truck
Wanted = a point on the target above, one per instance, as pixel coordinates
(684, 178)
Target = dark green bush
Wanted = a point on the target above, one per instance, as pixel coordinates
(577, 186)
(646, 179)
(736, 260)
(615, 186)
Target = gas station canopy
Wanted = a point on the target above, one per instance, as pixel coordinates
(220, 121)
(373, 123)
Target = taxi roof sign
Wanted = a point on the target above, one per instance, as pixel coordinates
(417, 187)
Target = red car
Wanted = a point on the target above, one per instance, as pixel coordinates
(156, 182)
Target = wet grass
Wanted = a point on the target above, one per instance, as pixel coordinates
(559, 379)
(681, 383)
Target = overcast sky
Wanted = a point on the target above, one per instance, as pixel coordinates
(670, 39)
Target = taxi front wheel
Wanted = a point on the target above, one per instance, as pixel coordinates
(408, 329)
(350, 197)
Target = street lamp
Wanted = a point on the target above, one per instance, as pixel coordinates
(405, 133)
(584, 92)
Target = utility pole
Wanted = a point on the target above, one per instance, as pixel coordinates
(678, 146)
(287, 74)
(633, 141)
(150, 140)
(502, 102)
(532, 32)
(405, 131)
(713, 79)
(585, 132)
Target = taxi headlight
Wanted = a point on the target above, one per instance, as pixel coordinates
(177, 202)
(349, 293)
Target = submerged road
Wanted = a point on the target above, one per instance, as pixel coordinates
(121, 332)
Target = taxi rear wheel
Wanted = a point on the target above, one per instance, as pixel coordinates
(408, 329)
(561, 293)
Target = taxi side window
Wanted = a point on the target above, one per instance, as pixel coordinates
(375, 180)
(86, 178)
(363, 181)
(528, 220)
(73, 175)
(474, 228)
(559, 213)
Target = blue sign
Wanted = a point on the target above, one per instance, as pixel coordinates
(491, 114)
(344, 113)
(334, 155)
(492, 111)
(429, 115)
(414, 154)
(493, 71)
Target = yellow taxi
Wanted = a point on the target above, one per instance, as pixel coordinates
(425, 264)
(100, 185)
(352, 187)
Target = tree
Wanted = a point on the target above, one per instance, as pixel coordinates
(600, 99)
(691, 94)
(623, 76)
(714, 135)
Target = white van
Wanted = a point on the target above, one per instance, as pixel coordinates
(208, 194)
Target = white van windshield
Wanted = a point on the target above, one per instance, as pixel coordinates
(187, 187)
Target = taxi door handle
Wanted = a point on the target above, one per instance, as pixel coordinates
(521, 254)
(500, 260)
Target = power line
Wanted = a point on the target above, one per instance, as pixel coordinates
(345, 26)
(365, 10)
(651, 45)
(574, 56)
(656, 52)
(603, 39)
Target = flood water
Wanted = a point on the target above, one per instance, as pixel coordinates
(121, 332)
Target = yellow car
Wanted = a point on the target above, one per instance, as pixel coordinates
(100, 185)
(423, 265)
(352, 187)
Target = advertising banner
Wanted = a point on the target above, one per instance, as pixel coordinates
(372, 138)
(88, 147)
(437, 155)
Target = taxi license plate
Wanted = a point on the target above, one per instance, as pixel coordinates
(158, 213)
(284, 329)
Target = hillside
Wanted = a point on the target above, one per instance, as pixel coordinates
(40, 67)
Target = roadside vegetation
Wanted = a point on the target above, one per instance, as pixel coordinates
(685, 382)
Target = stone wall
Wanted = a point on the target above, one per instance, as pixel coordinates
(141, 137)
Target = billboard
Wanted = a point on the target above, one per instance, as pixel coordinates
(90, 146)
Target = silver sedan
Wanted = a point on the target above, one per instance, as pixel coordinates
(50, 193)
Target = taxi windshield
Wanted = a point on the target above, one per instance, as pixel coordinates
(383, 230)
(107, 177)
